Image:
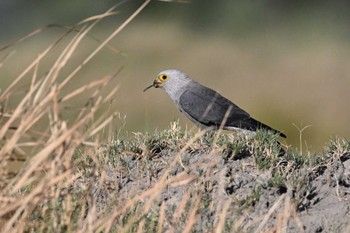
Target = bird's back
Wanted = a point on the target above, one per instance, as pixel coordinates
(207, 107)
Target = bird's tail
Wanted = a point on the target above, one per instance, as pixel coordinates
(263, 126)
(255, 125)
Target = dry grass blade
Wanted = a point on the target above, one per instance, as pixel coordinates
(109, 97)
(176, 1)
(270, 212)
(193, 216)
(86, 87)
(222, 219)
(140, 228)
(24, 38)
(35, 75)
(181, 207)
(102, 125)
(66, 55)
(182, 180)
(97, 17)
(59, 64)
(161, 218)
(33, 64)
(7, 56)
(104, 43)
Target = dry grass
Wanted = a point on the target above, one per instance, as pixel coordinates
(31, 194)
(169, 181)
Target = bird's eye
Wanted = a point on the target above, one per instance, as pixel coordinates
(163, 77)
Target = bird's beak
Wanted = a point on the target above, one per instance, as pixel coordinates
(155, 84)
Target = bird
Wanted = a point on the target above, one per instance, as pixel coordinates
(204, 106)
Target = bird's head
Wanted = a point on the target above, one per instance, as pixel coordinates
(169, 79)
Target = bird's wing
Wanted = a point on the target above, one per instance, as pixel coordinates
(209, 108)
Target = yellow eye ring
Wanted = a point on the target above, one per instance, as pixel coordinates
(163, 77)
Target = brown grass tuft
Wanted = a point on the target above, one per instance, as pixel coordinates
(38, 144)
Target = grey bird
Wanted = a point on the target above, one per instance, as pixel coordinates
(204, 106)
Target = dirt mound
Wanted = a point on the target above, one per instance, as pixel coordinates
(227, 184)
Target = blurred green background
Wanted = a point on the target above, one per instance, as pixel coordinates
(285, 62)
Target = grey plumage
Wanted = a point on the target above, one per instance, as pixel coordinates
(204, 106)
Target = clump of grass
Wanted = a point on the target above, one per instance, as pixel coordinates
(338, 148)
(266, 149)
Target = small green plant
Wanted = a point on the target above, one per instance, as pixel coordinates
(265, 149)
